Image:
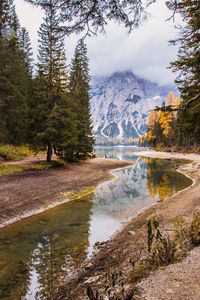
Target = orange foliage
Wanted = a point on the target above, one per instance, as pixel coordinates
(165, 122)
(166, 118)
(152, 122)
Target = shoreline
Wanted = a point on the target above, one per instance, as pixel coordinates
(131, 237)
(115, 253)
(101, 170)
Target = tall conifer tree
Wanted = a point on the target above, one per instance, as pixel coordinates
(13, 78)
(187, 66)
(79, 88)
(53, 123)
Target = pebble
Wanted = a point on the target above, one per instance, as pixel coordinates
(92, 279)
(131, 232)
(176, 284)
(169, 291)
(89, 266)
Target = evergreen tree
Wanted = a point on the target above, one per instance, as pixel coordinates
(187, 66)
(79, 88)
(13, 78)
(5, 10)
(52, 124)
(25, 46)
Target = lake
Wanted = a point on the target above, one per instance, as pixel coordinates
(38, 252)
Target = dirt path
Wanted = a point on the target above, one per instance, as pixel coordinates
(178, 281)
(26, 193)
(131, 241)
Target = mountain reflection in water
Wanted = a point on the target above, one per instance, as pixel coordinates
(38, 252)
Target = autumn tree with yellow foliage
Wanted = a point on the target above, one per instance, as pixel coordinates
(162, 124)
(153, 127)
(167, 119)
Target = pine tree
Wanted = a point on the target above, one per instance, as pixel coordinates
(79, 88)
(13, 78)
(5, 10)
(52, 124)
(25, 46)
(187, 67)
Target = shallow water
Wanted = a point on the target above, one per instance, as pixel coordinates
(37, 252)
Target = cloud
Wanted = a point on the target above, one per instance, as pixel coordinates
(145, 51)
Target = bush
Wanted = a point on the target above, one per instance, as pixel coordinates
(161, 248)
(195, 229)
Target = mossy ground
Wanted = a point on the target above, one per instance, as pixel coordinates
(5, 170)
(43, 165)
(10, 152)
(73, 196)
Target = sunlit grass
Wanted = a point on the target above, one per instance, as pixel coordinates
(73, 196)
(9, 152)
(44, 165)
(5, 170)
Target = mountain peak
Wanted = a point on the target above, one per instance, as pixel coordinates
(120, 104)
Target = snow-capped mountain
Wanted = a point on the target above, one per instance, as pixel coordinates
(120, 105)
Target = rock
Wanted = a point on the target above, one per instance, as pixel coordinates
(176, 284)
(89, 266)
(131, 232)
(95, 252)
(92, 279)
(169, 291)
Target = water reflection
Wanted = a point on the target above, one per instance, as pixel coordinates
(162, 179)
(41, 250)
(37, 252)
(118, 152)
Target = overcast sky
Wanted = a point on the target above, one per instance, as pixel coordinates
(145, 51)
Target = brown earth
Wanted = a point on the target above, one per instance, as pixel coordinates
(28, 192)
(131, 243)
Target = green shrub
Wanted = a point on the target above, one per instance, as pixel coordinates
(195, 229)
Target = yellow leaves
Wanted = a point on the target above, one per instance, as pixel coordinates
(165, 122)
(166, 117)
(153, 118)
(162, 120)
(177, 102)
(170, 99)
(152, 124)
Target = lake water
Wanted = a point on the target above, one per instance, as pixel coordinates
(41, 250)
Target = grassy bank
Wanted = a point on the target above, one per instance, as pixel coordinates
(10, 152)
(43, 165)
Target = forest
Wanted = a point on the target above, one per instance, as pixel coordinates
(48, 108)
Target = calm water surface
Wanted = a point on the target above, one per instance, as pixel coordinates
(37, 252)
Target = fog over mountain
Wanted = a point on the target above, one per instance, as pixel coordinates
(120, 104)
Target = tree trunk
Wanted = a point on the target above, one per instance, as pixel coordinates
(49, 152)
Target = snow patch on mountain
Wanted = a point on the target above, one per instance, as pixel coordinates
(120, 105)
